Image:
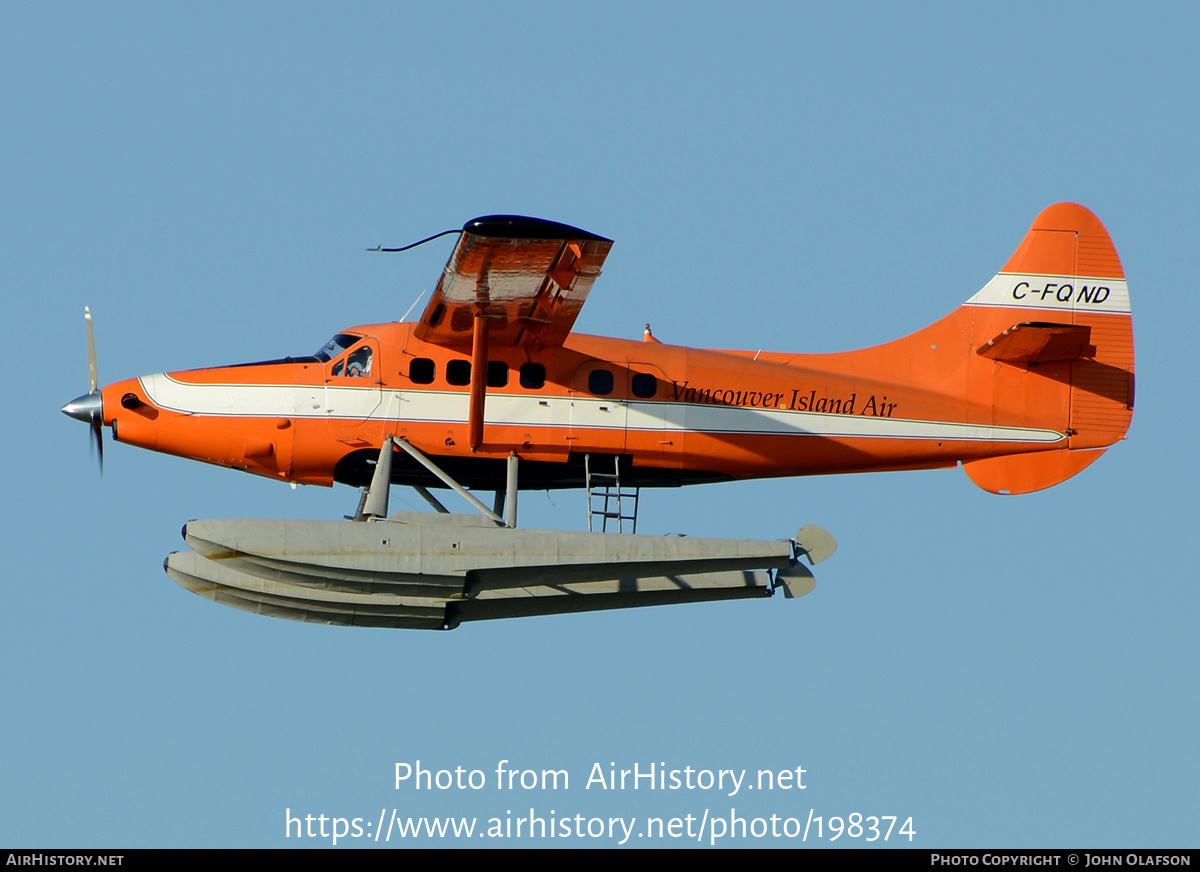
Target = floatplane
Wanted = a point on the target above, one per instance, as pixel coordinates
(491, 391)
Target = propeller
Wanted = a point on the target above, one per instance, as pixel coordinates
(90, 407)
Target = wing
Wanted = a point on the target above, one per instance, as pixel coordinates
(530, 278)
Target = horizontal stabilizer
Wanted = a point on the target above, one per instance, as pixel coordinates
(1040, 342)
(1026, 473)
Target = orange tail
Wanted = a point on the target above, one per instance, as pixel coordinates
(1060, 309)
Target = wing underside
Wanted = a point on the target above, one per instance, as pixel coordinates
(528, 277)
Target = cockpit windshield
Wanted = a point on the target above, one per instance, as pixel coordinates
(336, 346)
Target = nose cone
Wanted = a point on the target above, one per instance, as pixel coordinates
(85, 408)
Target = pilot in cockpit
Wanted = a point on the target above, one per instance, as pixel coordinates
(358, 365)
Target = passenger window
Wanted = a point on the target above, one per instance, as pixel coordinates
(458, 372)
(421, 371)
(600, 382)
(497, 374)
(337, 367)
(644, 385)
(533, 376)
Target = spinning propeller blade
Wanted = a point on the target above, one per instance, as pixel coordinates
(90, 407)
(93, 380)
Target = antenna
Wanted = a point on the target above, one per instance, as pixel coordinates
(404, 317)
(415, 244)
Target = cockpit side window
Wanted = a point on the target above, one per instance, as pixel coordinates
(358, 364)
(336, 346)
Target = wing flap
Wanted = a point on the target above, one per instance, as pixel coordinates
(528, 276)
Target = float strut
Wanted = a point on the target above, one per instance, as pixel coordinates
(510, 513)
(376, 506)
(447, 480)
(431, 499)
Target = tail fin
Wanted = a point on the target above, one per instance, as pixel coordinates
(1060, 309)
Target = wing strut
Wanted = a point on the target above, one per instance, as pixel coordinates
(479, 374)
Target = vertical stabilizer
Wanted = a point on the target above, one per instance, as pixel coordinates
(1062, 306)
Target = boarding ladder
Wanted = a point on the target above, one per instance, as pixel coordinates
(606, 499)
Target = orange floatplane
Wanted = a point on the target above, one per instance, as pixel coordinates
(1025, 384)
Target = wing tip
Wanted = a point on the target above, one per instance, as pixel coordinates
(525, 227)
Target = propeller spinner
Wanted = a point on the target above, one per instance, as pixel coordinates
(90, 407)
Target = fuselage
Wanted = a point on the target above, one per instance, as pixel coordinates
(676, 415)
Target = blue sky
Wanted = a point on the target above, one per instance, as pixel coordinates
(1006, 671)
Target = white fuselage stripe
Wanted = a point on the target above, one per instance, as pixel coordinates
(533, 411)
